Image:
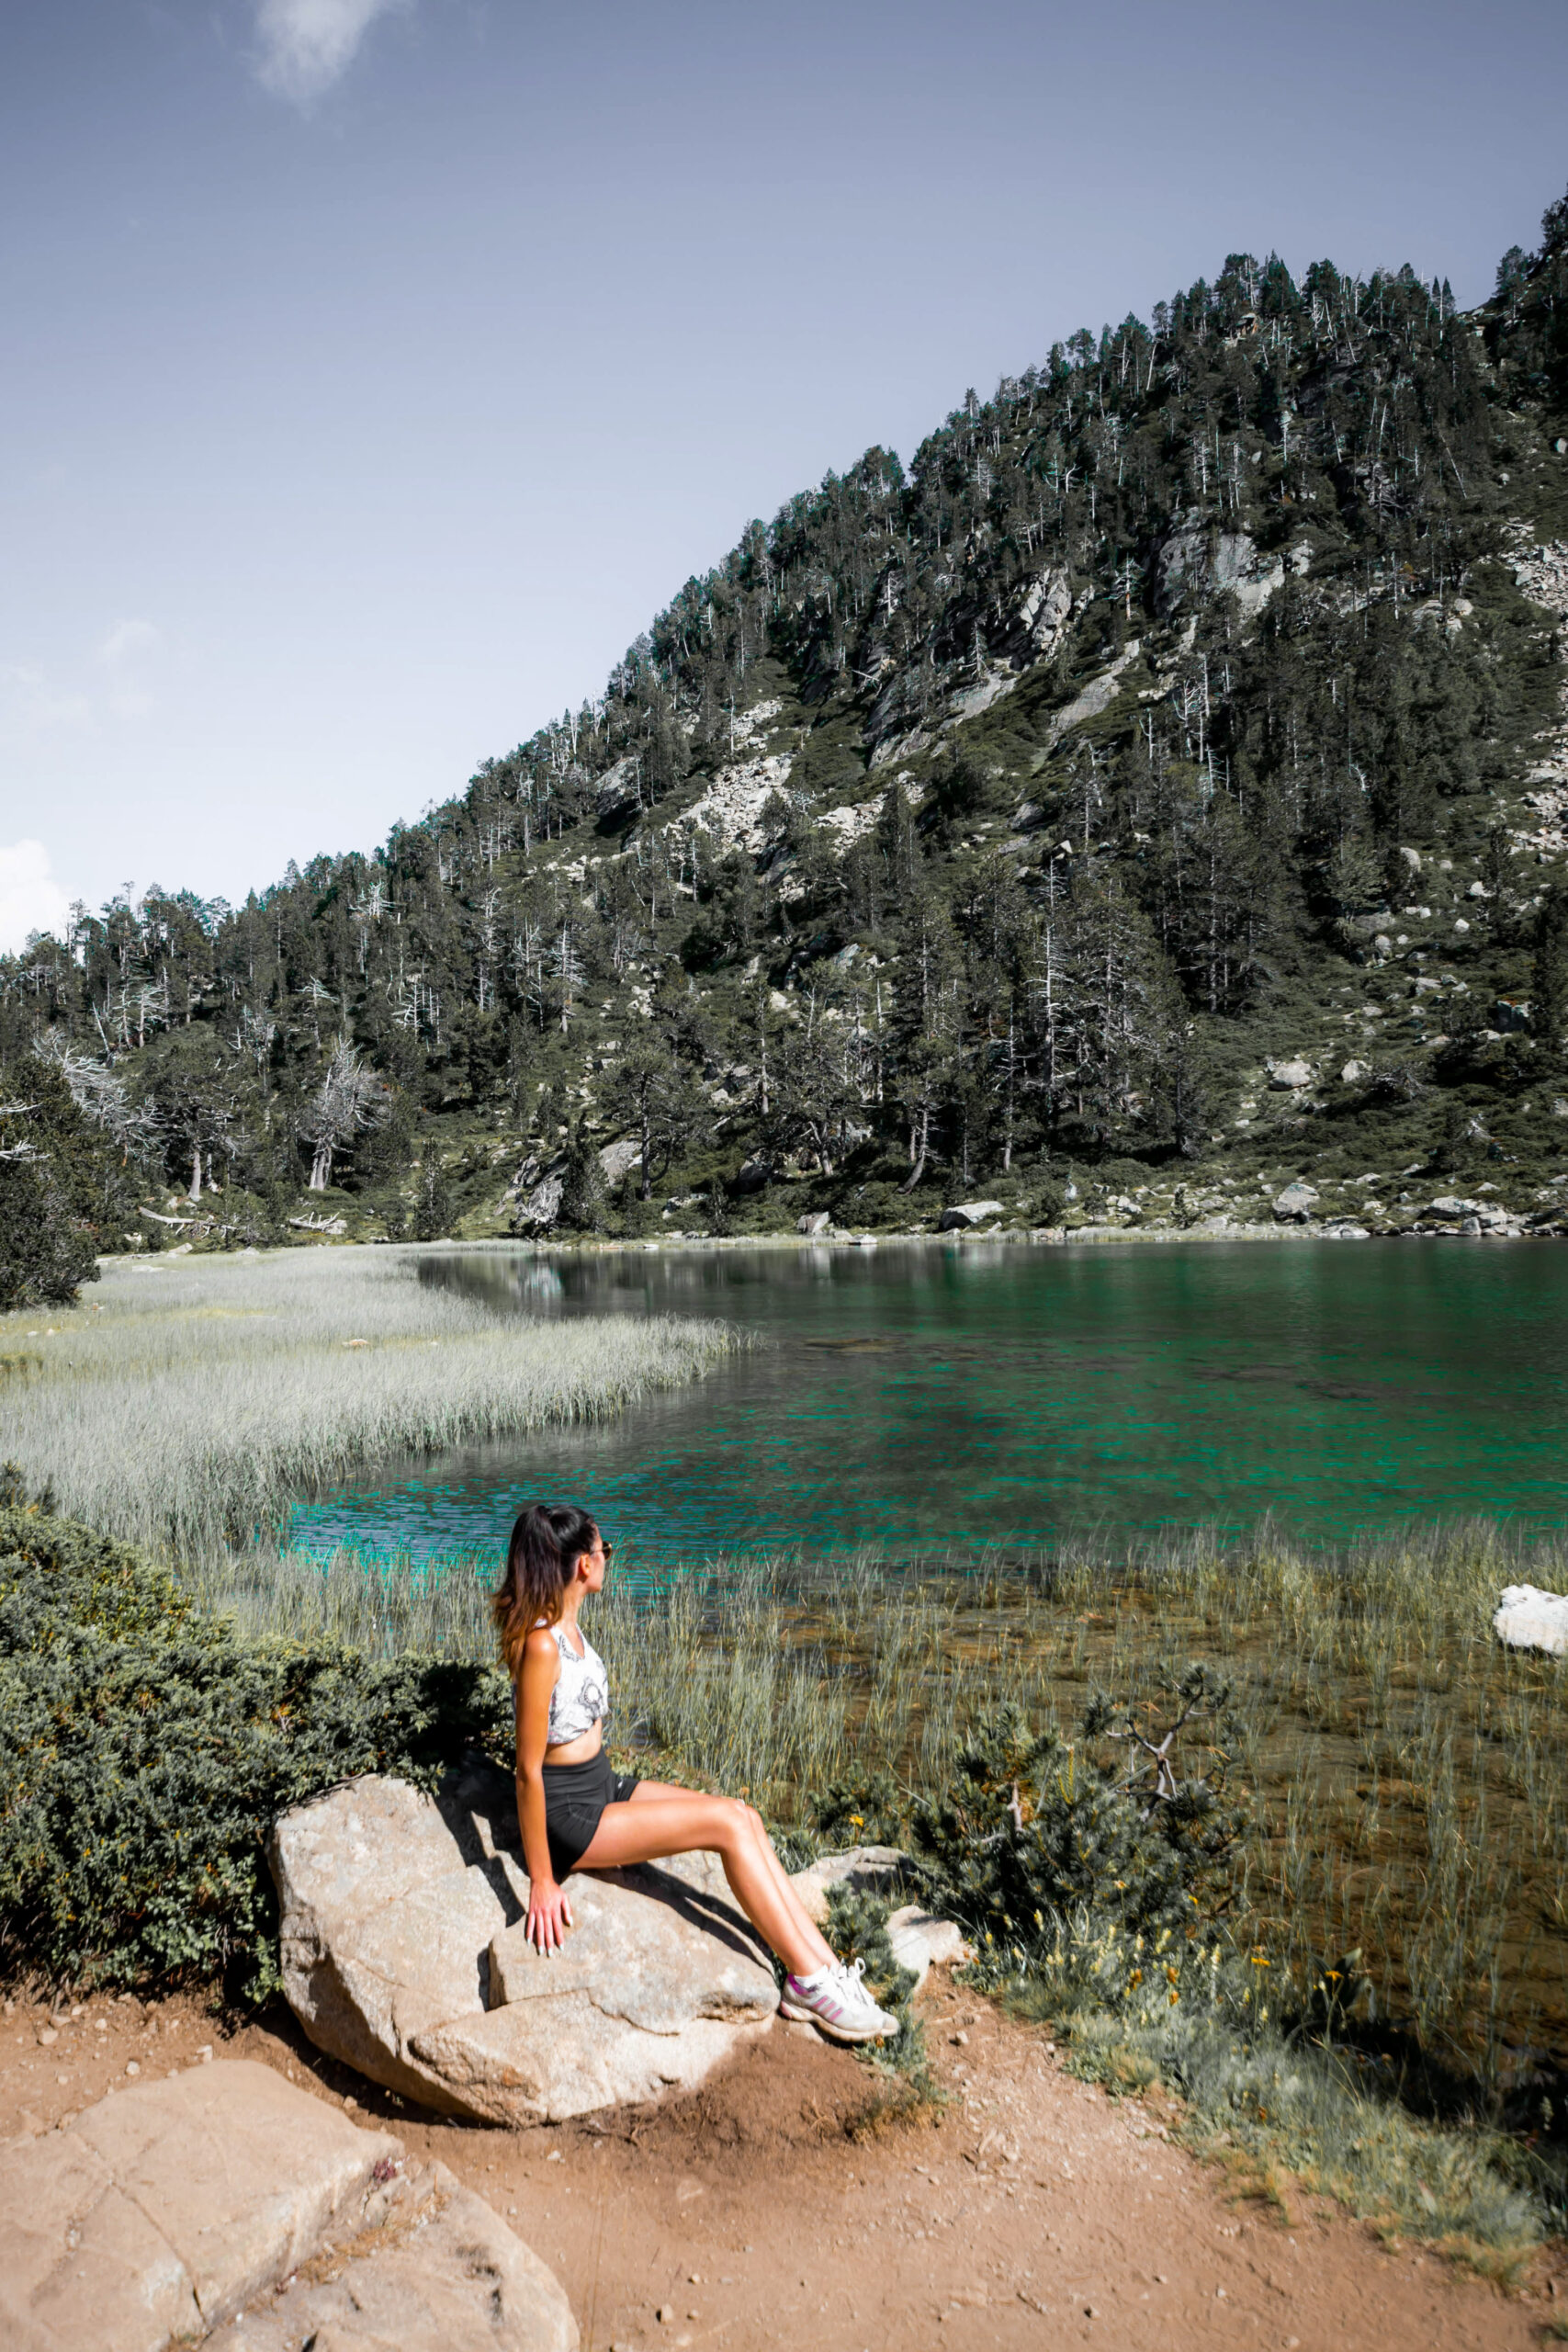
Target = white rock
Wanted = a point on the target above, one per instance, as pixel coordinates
(1528, 1619)
(968, 1213)
(869, 1870)
(817, 1222)
(617, 1157)
(401, 1936)
(157, 2215)
(1295, 1203)
(1353, 1071)
(922, 1941)
(1289, 1078)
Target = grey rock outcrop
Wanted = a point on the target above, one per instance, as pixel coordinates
(1295, 1205)
(450, 2277)
(1528, 1619)
(1290, 1078)
(965, 1214)
(817, 1222)
(402, 1955)
(157, 2216)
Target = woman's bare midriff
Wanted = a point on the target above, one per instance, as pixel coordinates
(578, 1751)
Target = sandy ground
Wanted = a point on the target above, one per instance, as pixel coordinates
(762, 2211)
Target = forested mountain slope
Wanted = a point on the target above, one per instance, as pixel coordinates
(1157, 792)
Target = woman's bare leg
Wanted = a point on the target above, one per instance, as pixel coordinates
(789, 1894)
(646, 1829)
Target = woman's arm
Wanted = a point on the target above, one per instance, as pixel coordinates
(549, 1912)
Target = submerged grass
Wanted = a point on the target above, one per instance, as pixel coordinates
(183, 1404)
(1407, 1883)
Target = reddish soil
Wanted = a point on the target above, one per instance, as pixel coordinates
(763, 2212)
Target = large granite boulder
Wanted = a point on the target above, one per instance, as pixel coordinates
(404, 1955)
(162, 2213)
(965, 1215)
(1528, 1619)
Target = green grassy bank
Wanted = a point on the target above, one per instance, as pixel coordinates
(152, 1735)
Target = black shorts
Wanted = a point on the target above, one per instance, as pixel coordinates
(575, 1795)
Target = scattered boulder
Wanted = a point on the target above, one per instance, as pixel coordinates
(817, 1222)
(1295, 1205)
(158, 2215)
(400, 1957)
(920, 1940)
(755, 1176)
(1289, 1078)
(965, 1214)
(1353, 1071)
(617, 1157)
(866, 1870)
(1528, 1619)
(542, 1206)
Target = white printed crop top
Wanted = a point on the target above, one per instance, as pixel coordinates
(582, 1696)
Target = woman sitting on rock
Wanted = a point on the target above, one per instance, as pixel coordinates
(576, 1815)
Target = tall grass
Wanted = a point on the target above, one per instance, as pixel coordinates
(1409, 1776)
(184, 1404)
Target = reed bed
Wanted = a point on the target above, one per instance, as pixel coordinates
(185, 1404)
(1409, 1777)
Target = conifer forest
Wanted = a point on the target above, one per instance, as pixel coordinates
(1153, 797)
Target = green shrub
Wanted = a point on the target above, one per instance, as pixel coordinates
(1034, 1825)
(148, 1748)
(857, 1930)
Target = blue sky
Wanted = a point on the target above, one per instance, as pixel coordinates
(376, 368)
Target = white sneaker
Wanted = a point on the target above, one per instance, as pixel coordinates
(839, 2003)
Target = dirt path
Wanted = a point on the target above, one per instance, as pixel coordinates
(1036, 2211)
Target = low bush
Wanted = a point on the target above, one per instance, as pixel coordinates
(1031, 1823)
(148, 1748)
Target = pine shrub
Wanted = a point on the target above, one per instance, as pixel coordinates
(1033, 1827)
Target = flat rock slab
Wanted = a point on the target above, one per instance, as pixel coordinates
(443, 2273)
(404, 1955)
(159, 2213)
(1528, 1619)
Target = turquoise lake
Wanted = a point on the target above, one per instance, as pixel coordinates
(915, 1398)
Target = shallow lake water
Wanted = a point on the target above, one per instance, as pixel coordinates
(918, 1397)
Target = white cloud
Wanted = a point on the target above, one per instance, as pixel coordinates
(306, 44)
(129, 644)
(126, 640)
(33, 704)
(30, 898)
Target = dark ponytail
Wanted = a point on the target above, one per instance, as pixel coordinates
(547, 1541)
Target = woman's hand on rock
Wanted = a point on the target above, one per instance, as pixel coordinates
(549, 1917)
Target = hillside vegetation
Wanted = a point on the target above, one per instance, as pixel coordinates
(1155, 793)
